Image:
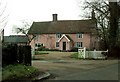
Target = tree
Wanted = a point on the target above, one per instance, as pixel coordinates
(23, 29)
(3, 17)
(114, 29)
(101, 10)
(107, 16)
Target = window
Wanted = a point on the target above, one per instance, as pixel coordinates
(35, 45)
(57, 44)
(58, 35)
(79, 44)
(42, 44)
(38, 45)
(80, 35)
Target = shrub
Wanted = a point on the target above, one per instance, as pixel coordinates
(74, 49)
(40, 52)
(9, 54)
(42, 48)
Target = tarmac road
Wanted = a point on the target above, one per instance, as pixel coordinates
(80, 69)
(62, 67)
(105, 73)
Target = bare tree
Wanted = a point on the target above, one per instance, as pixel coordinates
(3, 17)
(102, 14)
(107, 16)
(23, 29)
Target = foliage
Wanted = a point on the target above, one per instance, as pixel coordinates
(75, 55)
(40, 52)
(42, 48)
(74, 49)
(17, 71)
(9, 54)
(12, 54)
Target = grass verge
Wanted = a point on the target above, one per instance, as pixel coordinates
(17, 71)
(75, 55)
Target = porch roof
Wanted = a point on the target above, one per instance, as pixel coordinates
(67, 37)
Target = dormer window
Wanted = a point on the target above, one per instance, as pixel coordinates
(79, 35)
(58, 35)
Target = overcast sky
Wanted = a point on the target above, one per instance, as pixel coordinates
(41, 10)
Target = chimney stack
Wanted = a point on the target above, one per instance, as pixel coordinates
(54, 17)
(93, 14)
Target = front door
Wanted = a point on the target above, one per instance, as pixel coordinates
(64, 45)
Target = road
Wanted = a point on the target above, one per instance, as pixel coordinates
(80, 69)
(62, 67)
(105, 73)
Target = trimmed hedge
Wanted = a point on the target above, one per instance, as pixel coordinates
(12, 54)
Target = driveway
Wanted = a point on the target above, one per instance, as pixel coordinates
(62, 67)
(55, 55)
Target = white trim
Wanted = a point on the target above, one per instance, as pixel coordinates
(65, 37)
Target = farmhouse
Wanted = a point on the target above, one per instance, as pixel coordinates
(64, 34)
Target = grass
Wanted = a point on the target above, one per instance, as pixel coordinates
(74, 55)
(17, 71)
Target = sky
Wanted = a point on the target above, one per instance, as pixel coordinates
(40, 10)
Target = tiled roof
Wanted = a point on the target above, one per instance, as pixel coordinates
(15, 39)
(65, 26)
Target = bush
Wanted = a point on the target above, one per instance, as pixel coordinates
(40, 52)
(42, 48)
(12, 54)
(9, 54)
(74, 49)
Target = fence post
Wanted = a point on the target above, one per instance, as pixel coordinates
(81, 53)
(84, 51)
(94, 56)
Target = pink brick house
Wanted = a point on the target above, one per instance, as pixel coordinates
(64, 34)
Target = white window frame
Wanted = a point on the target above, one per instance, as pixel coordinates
(57, 44)
(59, 35)
(79, 35)
(79, 44)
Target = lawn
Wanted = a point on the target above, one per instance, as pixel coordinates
(17, 71)
(74, 55)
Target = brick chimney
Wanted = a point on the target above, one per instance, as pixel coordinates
(54, 17)
(93, 14)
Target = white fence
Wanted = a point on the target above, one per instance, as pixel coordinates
(82, 53)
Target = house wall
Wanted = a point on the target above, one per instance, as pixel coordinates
(49, 41)
(85, 39)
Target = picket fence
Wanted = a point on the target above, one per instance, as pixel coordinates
(82, 53)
